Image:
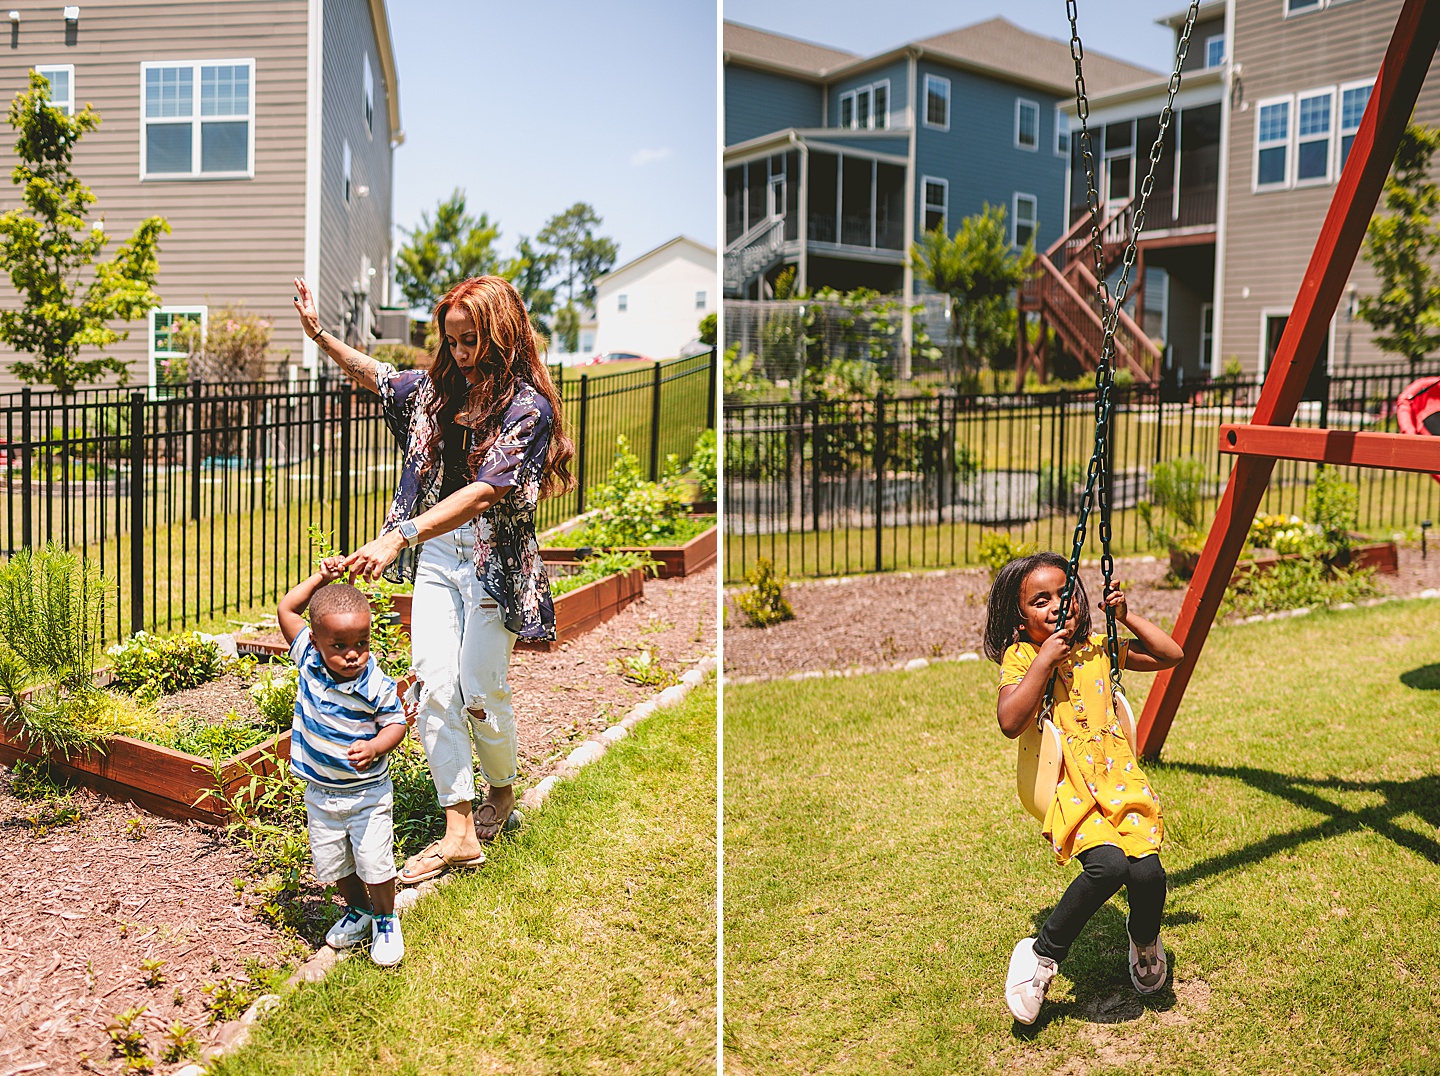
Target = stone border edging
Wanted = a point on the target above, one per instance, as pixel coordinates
(236, 1033)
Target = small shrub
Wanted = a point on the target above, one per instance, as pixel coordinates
(1333, 506)
(764, 603)
(234, 346)
(1286, 534)
(127, 1040)
(997, 549)
(1058, 482)
(234, 734)
(1302, 583)
(645, 669)
(1178, 486)
(152, 967)
(180, 1043)
(274, 693)
(402, 356)
(632, 510)
(226, 1000)
(149, 666)
(703, 464)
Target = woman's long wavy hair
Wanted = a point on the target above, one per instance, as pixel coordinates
(1003, 619)
(509, 353)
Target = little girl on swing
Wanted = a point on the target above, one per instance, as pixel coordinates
(1103, 811)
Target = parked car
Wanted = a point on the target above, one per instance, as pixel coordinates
(617, 356)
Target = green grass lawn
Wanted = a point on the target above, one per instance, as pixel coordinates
(879, 868)
(585, 944)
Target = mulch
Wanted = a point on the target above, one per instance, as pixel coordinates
(880, 620)
(214, 701)
(86, 903)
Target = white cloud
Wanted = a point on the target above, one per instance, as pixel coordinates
(640, 158)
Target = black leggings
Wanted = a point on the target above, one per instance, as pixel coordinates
(1106, 869)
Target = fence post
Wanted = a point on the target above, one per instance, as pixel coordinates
(581, 443)
(347, 400)
(27, 516)
(137, 511)
(195, 423)
(714, 375)
(879, 479)
(655, 426)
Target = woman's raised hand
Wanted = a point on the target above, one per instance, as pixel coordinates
(374, 557)
(305, 307)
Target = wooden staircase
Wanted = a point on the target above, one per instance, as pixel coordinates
(1063, 293)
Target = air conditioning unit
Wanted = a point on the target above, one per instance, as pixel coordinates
(393, 323)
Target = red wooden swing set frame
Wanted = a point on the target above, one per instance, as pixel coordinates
(1269, 435)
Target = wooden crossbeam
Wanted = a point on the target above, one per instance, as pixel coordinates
(1392, 451)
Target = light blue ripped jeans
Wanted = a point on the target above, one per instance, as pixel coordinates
(461, 653)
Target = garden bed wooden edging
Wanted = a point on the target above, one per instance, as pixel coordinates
(1384, 557)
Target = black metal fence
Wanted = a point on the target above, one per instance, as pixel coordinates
(833, 487)
(199, 500)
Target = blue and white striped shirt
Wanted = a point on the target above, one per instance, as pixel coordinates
(332, 714)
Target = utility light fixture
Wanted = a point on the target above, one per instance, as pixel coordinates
(72, 13)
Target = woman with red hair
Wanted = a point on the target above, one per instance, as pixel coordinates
(484, 440)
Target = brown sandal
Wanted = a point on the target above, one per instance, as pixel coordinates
(413, 873)
(489, 825)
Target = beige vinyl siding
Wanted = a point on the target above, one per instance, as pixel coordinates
(349, 233)
(1269, 236)
(232, 239)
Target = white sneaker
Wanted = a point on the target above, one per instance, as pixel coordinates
(387, 944)
(1026, 982)
(1148, 966)
(352, 929)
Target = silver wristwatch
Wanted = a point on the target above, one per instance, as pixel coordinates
(409, 531)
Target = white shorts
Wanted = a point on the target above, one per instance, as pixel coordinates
(352, 832)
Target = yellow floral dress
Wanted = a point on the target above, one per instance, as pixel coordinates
(1103, 796)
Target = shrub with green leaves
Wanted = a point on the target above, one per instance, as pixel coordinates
(599, 565)
(149, 666)
(274, 692)
(703, 464)
(1302, 583)
(196, 736)
(633, 511)
(764, 603)
(1333, 506)
(997, 549)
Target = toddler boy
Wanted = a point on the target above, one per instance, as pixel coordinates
(347, 718)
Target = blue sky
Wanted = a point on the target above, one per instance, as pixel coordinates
(1121, 28)
(533, 106)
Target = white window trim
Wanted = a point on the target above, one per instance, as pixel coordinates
(346, 160)
(1340, 131)
(1015, 217)
(1212, 38)
(1062, 126)
(868, 90)
(854, 110)
(195, 121)
(203, 311)
(69, 103)
(1329, 177)
(1303, 11)
(1206, 354)
(367, 105)
(944, 185)
(925, 103)
(1256, 187)
(1269, 312)
(1020, 103)
(873, 114)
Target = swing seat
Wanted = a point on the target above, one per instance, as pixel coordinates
(1418, 409)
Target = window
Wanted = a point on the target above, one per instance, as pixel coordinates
(622, 302)
(1272, 144)
(166, 344)
(866, 107)
(369, 85)
(1353, 99)
(1312, 137)
(699, 300)
(177, 139)
(881, 111)
(346, 164)
(1027, 124)
(937, 102)
(62, 85)
(1023, 220)
(847, 109)
(1215, 50)
(1207, 334)
(1062, 133)
(937, 194)
(1297, 7)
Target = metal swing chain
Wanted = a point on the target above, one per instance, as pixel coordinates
(1097, 479)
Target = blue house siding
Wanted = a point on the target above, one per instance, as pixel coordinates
(898, 146)
(895, 73)
(759, 103)
(978, 155)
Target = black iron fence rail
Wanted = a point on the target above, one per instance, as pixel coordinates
(875, 484)
(200, 500)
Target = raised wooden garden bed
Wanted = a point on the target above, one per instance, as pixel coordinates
(594, 603)
(675, 561)
(1384, 557)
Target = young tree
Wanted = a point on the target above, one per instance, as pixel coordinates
(46, 247)
(976, 270)
(580, 257)
(1401, 247)
(444, 250)
(528, 271)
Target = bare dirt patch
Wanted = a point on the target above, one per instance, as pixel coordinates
(885, 619)
(212, 702)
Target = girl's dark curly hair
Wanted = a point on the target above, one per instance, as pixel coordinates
(1003, 620)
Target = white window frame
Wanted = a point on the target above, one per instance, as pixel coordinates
(1340, 129)
(874, 113)
(1034, 221)
(622, 302)
(925, 203)
(1062, 127)
(1210, 41)
(196, 120)
(368, 88)
(203, 311)
(700, 300)
(938, 81)
(1020, 105)
(346, 161)
(847, 124)
(1328, 177)
(868, 92)
(1288, 142)
(67, 105)
(1290, 10)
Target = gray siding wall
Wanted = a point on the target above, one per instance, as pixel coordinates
(895, 73)
(1270, 235)
(978, 155)
(758, 102)
(233, 240)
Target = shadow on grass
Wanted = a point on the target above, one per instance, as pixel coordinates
(1425, 678)
(1420, 797)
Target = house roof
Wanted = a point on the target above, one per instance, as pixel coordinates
(1007, 50)
(778, 51)
(654, 251)
(387, 68)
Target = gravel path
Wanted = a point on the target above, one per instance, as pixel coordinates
(885, 619)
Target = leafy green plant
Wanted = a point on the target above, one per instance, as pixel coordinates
(1178, 487)
(135, 829)
(152, 968)
(645, 669)
(703, 464)
(127, 1040)
(631, 510)
(274, 692)
(1304, 582)
(1333, 506)
(1058, 482)
(234, 734)
(765, 602)
(226, 1000)
(602, 564)
(149, 665)
(1286, 535)
(180, 1043)
(997, 549)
